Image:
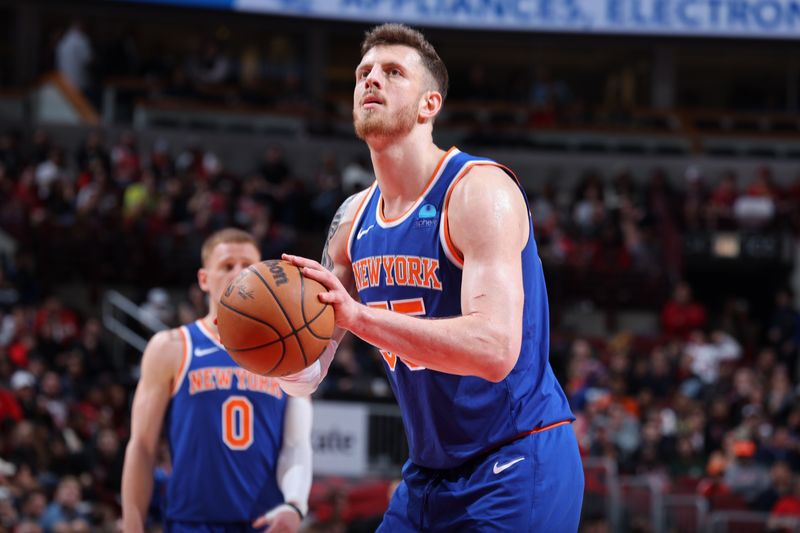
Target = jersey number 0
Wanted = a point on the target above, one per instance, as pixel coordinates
(237, 423)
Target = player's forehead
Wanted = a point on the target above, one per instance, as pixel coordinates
(398, 54)
(233, 251)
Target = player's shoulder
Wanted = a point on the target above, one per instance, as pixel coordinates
(335, 250)
(488, 176)
(485, 184)
(168, 337)
(484, 202)
(346, 215)
(166, 347)
(352, 204)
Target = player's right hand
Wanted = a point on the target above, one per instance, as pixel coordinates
(281, 519)
(346, 309)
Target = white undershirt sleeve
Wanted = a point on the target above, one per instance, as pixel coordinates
(305, 382)
(294, 460)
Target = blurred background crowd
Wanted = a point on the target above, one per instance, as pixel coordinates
(675, 322)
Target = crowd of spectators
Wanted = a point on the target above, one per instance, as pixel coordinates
(138, 216)
(64, 413)
(209, 70)
(143, 210)
(707, 405)
(228, 68)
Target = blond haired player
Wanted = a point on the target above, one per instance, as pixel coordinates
(241, 450)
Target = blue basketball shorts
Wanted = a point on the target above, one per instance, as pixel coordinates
(534, 484)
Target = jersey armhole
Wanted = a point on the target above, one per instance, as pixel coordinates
(450, 250)
(185, 360)
(357, 218)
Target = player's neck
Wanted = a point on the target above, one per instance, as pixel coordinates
(208, 322)
(403, 169)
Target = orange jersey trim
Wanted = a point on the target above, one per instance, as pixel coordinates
(424, 192)
(357, 217)
(213, 337)
(525, 434)
(452, 252)
(545, 428)
(185, 361)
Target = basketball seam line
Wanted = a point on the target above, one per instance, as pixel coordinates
(280, 339)
(303, 311)
(283, 344)
(270, 343)
(240, 312)
(285, 314)
(303, 308)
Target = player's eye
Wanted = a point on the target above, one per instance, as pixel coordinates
(394, 72)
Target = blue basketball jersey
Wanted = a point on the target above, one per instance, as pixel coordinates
(409, 265)
(225, 428)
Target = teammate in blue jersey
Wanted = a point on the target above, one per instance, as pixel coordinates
(441, 252)
(240, 449)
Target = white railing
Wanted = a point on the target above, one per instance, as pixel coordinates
(643, 502)
(687, 513)
(118, 312)
(751, 522)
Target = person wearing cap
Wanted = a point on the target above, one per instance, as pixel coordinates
(23, 384)
(744, 476)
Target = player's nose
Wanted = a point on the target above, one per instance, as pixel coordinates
(373, 78)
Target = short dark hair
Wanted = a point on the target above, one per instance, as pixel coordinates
(389, 34)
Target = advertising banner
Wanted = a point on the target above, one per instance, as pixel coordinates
(339, 437)
(721, 18)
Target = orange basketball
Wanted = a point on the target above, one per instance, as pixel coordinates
(271, 321)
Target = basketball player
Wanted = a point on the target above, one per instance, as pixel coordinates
(241, 450)
(448, 236)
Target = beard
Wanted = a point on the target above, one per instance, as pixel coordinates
(376, 122)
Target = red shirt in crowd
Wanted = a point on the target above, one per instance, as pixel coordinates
(680, 319)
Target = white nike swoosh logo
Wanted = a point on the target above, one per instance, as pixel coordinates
(198, 352)
(363, 232)
(499, 468)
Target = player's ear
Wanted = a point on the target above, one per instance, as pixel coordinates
(430, 105)
(202, 279)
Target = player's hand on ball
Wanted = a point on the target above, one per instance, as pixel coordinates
(344, 306)
(281, 519)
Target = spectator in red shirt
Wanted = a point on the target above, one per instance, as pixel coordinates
(55, 324)
(681, 314)
(785, 513)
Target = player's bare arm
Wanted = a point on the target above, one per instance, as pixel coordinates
(334, 255)
(161, 362)
(489, 226)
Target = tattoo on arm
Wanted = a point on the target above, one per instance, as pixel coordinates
(327, 261)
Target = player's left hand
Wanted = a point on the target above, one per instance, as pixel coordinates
(345, 308)
(281, 519)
